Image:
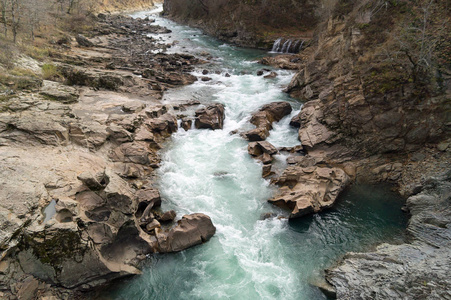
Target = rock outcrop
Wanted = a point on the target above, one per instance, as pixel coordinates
(418, 269)
(264, 118)
(309, 189)
(78, 207)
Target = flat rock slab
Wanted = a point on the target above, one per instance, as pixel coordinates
(306, 190)
(59, 92)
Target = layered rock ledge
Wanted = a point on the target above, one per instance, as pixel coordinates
(307, 190)
(78, 204)
(415, 270)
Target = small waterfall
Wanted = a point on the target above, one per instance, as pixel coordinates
(275, 47)
(284, 48)
(282, 45)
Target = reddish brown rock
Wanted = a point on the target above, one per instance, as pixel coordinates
(211, 117)
(191, 230)
(306, 190)
(263, 119)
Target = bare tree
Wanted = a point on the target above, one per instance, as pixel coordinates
(35, 12)
(4, 4)
(16, 9)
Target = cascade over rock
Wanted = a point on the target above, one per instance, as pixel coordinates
(282, 45)
(211, 117)
(264, 118)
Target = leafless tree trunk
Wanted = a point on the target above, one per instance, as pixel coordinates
(15, 17)
(4, 7)
(71, 6)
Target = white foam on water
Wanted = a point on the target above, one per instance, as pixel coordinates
(284, 135)
(211, 172)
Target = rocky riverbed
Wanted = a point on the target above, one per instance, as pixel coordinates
(78, 158)
(78, 207)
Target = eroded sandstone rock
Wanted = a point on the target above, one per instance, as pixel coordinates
(211, 117)
(306, 190)
(191, 230)
(264, 118)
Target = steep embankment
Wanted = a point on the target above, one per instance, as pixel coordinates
(378, 87)
(247, 23)
(124, 5)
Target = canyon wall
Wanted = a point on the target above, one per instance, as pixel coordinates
(255, 23)
(375, 75)
(376, 82)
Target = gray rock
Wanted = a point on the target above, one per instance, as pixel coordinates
(59, 92)
(416, 270)
(83, 41)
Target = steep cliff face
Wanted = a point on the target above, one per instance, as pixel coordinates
(377, 72)
(255, 23)
(378, 80)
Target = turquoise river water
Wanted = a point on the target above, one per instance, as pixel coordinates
(211, 172)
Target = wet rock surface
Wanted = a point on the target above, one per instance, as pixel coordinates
(264, 118)
(211, 117)
(418, 269)
(309, 189)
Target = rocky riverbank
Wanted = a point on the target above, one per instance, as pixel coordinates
(415, 270)
(78, 207)
(380, 125)
(376, 110)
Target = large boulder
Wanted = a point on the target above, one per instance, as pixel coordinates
(211, 117)
(263, 119)
(306, 190)
(191, 230)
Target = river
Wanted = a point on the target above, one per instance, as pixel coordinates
(211, 172)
